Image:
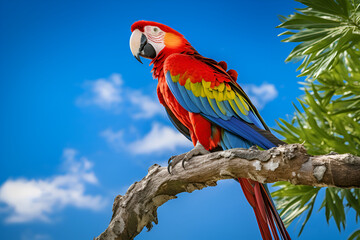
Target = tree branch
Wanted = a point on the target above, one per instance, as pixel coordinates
(137, 208)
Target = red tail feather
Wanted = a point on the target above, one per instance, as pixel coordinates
(266, 214)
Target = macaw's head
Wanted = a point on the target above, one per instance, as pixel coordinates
(150, 39)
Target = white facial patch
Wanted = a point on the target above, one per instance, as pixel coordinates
(155, 37)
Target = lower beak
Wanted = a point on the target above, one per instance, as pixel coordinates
(140, 46)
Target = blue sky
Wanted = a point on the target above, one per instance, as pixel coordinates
(80, 119)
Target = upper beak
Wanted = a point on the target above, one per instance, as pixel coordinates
(140, 47)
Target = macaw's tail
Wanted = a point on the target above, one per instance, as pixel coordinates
(265, 212)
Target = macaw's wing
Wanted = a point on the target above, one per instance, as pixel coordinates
(202, 87)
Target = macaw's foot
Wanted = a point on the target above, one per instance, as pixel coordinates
(197, 150)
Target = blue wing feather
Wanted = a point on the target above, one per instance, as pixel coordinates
(232, 141)
(239, 127)
(190, 104)
(238, 130)
(207, 108)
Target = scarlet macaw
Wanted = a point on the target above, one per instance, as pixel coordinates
(207, 105)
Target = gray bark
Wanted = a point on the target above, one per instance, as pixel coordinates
(138, 207)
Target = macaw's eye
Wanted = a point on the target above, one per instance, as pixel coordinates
(155, 29)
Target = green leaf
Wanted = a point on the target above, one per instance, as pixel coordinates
(355, 235)
(353, 202)
(311, 204)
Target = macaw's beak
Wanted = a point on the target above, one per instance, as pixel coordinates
(140, 46)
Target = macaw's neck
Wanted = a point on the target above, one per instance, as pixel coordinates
(158, 61)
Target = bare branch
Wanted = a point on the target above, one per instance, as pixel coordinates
(137, 208)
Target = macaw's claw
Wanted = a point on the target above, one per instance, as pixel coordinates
(173, 160)
(197, 150)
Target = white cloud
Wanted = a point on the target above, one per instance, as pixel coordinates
(35, 199)
(104, 93)
(114, 138)
(110, 94)
(147, 106)
(261, 95)
(160, 139)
